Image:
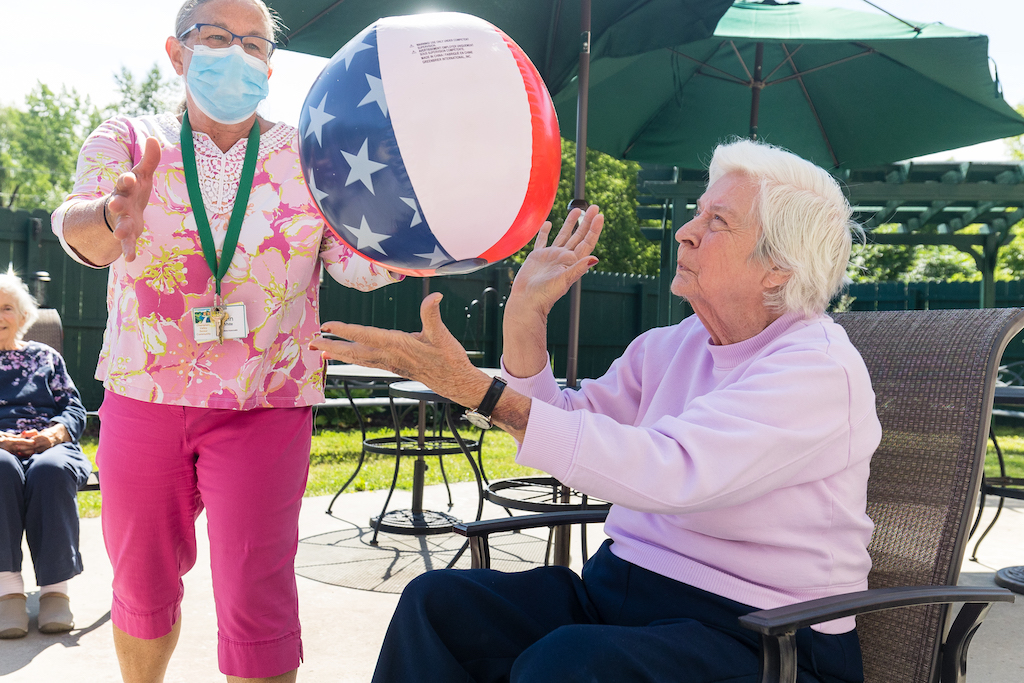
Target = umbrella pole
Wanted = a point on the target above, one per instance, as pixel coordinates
(756, 85)
(579, 190)
(561, 540)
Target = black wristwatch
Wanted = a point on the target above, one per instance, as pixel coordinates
(481, 417)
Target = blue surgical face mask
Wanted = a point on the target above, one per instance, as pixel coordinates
(226, 83)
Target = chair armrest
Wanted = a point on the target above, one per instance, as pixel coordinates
(778, 626)
(492, 526)
(788, 619)
(477, 532)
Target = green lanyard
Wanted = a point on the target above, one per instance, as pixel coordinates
(195, 195)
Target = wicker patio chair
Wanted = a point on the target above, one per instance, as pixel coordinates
(934, 375)
(48, 329)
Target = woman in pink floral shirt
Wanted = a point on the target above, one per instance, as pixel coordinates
(194, 417)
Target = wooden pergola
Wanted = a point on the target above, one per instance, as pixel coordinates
(971, 206)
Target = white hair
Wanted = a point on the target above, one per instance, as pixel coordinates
(804, 219)
(187, 12)
(14, 287)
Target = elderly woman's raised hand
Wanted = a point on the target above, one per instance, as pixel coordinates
(545, 277)
(131, 197)
(550, 270)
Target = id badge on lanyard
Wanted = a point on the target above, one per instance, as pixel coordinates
(221, 320)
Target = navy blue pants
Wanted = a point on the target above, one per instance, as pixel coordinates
(37, 498)
(618, 623)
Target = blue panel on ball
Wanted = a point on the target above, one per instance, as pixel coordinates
(352, 164)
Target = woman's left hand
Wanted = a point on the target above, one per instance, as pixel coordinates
(44, 440)
(17, 445)
(432, 356)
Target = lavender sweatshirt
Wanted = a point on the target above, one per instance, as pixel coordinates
(739, 469)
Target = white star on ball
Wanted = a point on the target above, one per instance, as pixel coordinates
(362, 167)
(415, 211)
(317, 193)
(352, 51)
(317, 118)
(366, 237)
(376, 94)
(436, 257)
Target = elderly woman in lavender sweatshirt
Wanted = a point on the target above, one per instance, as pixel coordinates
(734, 445)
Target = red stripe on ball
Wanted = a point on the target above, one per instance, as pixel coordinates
(546, 166)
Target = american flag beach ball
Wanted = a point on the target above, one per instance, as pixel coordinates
(430, 144)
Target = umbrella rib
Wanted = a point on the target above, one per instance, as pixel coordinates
(810, 103)
(742, 63)
(917, 29)
(733, 80)
(798, 74)
(783, 62)
(732, 77)
(327, 10)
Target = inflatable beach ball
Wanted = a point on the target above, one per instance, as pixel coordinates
(430, 144)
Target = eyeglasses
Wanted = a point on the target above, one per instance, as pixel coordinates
(217, 37)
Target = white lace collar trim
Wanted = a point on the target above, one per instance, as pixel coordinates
(220, 172)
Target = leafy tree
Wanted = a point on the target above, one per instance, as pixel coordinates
(39, 142)
(911, 263)
(152, 94)
(39, 147)
(611, 184)
(942, 263)
(880, 262)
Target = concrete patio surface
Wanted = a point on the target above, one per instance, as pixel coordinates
(343, 628)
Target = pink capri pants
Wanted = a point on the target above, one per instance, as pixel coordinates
(160, 466)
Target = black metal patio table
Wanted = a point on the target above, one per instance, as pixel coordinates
(418, 520)
(350, 376)
(1004, 487)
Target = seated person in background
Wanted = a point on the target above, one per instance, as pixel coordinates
(734, 446)
(41, 468)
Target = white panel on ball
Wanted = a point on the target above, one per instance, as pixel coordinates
(442, 143)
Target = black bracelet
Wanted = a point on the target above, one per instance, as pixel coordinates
(105, 220)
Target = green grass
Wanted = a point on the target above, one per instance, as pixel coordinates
(334, 455)
(1011, 443)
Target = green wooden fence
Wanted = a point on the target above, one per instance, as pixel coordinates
(77, 292)
(909, 296)
(615, 307)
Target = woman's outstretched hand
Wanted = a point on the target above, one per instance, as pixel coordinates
(131, 197)
(550, 270)
(432, 356)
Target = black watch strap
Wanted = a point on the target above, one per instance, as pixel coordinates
(491, 397)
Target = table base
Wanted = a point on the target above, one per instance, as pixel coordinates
(1012, 578)
(422, 523)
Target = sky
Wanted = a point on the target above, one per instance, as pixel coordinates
(86, 43)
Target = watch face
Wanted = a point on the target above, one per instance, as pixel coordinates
(478, 420)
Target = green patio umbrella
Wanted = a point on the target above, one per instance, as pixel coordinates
(547, 30)
(842, 88)
(559, 36)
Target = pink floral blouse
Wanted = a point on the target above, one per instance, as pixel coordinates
(149, 348)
